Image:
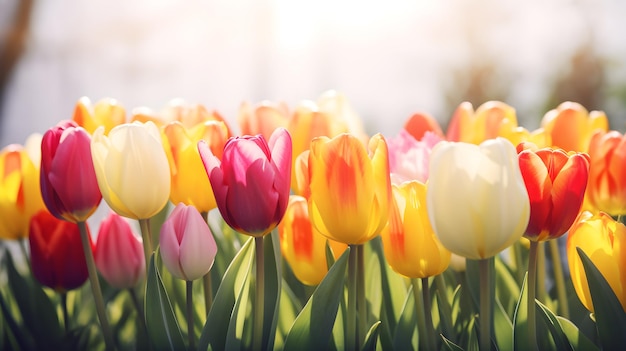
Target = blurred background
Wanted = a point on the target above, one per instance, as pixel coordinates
(390, 59)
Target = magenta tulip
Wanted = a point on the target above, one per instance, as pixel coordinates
(187, 245)
(119, 253)
(68, 181)
(251, 183)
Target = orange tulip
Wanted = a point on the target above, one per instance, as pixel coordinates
(410, 244)
(607, 173)
(303, 247)
(20, 196)
(263, 118)
(570, 126)
(604, 240)
(300, 181)
(189, 182)
(420, 123)
(556, 183)
(107, 113)
(490, 120)
(350, 191)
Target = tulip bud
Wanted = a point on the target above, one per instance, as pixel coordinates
(187, 246)
(119, 253)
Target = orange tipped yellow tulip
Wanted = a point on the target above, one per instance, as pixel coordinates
(604, 240)
(411, 246)
(350, 190)
(107, 113)
(607, 172)
(570, 126)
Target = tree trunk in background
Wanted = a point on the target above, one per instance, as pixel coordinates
(12, 44)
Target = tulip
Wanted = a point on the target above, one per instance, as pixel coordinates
(410, 244)
(107, 113)
(477, 201)
(132, 169)
(119, 253)
(252, 181)
(263, 118)
(68, 180)
(604, 241)
(187, 245)
(20, 196)
(556, 183)
(408, 158)
(350, 191)
(490, 120)
(336, 105)
(57, 257)
(301, 245)
(421, 123)
(189, 183)
(570, 126)
(300, 184)
(607, 172)
(191, 115)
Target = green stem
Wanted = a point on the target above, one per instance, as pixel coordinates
(352, 286)
(206, 279)
(519, 262)
(190, 330)
(66, 318)
(361, 306)
(485, 304)
(95, 286)
(260, 295)
(541, 272)
(25, 254)
(532, 288)
(146, 236)
(139, 308)
(559, 278)
(430, 330)
(422, 338)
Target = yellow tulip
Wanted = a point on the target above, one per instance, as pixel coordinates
(570, 126)
(132, 169)
(107, 112)
(410, 244)
(302, 246)
(350, 191)
(604, 240)
(490, 120)
(189, 181)
(20, 195)
(477, 201)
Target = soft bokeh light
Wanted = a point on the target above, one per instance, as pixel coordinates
(390, 60)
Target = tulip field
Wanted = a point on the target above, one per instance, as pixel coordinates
(292, 228)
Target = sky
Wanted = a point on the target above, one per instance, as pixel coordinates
(390, 59)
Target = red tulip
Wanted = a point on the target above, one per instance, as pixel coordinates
(119, 253)
(57, 256)
(556, 183)
(252, 181)
(68, 180)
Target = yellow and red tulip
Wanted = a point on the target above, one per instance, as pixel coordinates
(410, 244)
(556, 183)
(56, 250)
(118, 253)
(189, 183)
(251, 183)
(350, 191)
(477, 201)
(604, 241)
(124, 161)
(607, 172)
(20, 194)
(68, 180)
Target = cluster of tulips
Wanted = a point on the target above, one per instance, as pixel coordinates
(306, 233)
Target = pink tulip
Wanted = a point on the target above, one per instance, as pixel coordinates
(408, 158)
(119, 253)
(251, 183)
(68, 180)
(187, 245)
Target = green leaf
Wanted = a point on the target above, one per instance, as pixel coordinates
(371, 338)
(19, 335)
(502, 327)
(162, 325)
(449, 345)
(550, 320)
(577, 339)
(313, 327)
(507, 288)
(520, 319)
(405, 328)
(236, 328)
(38, 312)
(609, 313)
(216, 327)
